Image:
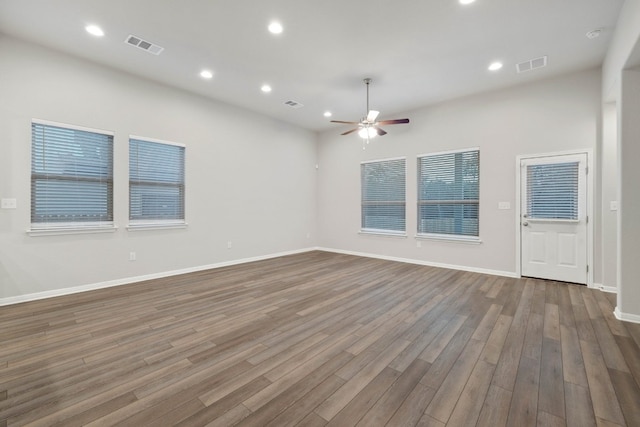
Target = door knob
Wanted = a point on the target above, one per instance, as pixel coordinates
(525, 223)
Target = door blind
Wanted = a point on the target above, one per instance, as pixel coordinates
(552, 191)
(71, 176)
(383, 195)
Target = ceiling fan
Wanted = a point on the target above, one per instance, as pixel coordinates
(368, 127)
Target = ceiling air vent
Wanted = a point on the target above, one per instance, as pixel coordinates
(293, 104)
(144, 45)
(531, 64)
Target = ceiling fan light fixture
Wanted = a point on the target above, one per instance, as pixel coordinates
(367, 132)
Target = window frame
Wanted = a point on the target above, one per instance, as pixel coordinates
(463, 238)
(150, 224)
(44, 228)
(382, 231)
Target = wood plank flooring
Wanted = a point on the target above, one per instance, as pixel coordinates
(321, 339)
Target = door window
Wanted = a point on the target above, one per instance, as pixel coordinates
(552, 191)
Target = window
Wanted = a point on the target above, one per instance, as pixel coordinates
(552, 191)
(383, 196)
(448, 193)
(156, 183)
(71, 177)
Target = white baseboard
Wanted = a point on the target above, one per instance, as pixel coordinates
(626, 317)
(603, 288)
(129, 280)
(425, 263)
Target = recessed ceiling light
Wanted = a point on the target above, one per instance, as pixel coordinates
(495, 66)
(94, 30)
(266, 88)
(327, 113)
(275, 28)
(206, 74)
(466, 1)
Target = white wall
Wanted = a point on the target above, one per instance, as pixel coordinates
(249, 179)
(628, 307)
(609, 181)
(549, 116)
(622, 94)
(625, 39)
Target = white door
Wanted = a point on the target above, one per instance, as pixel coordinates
(553, 225)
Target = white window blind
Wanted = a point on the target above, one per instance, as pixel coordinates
(71, 177)
(448, 193)
(156, 182)
(383, 196)
(552, 191)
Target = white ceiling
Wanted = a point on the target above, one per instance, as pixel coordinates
(418, 52)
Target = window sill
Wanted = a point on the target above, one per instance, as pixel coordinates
(450, 238)
(59, 231)
(383, 233)
(156, 226)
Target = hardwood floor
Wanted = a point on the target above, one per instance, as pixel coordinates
(321, 339)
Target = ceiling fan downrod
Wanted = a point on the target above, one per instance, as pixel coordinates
(367, 81)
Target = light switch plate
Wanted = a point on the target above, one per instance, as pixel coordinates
(504, 205)
(613, 206)
(8, 203)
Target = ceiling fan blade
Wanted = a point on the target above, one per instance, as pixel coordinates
(347, 123)
(349, 131)
(380, 131)
(372, 116)
(393, 122)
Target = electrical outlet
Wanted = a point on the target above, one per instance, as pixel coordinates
(229, 244)
(418, 244)
(613, 206)
(132, 256)
(9, 204)
(504, 205)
